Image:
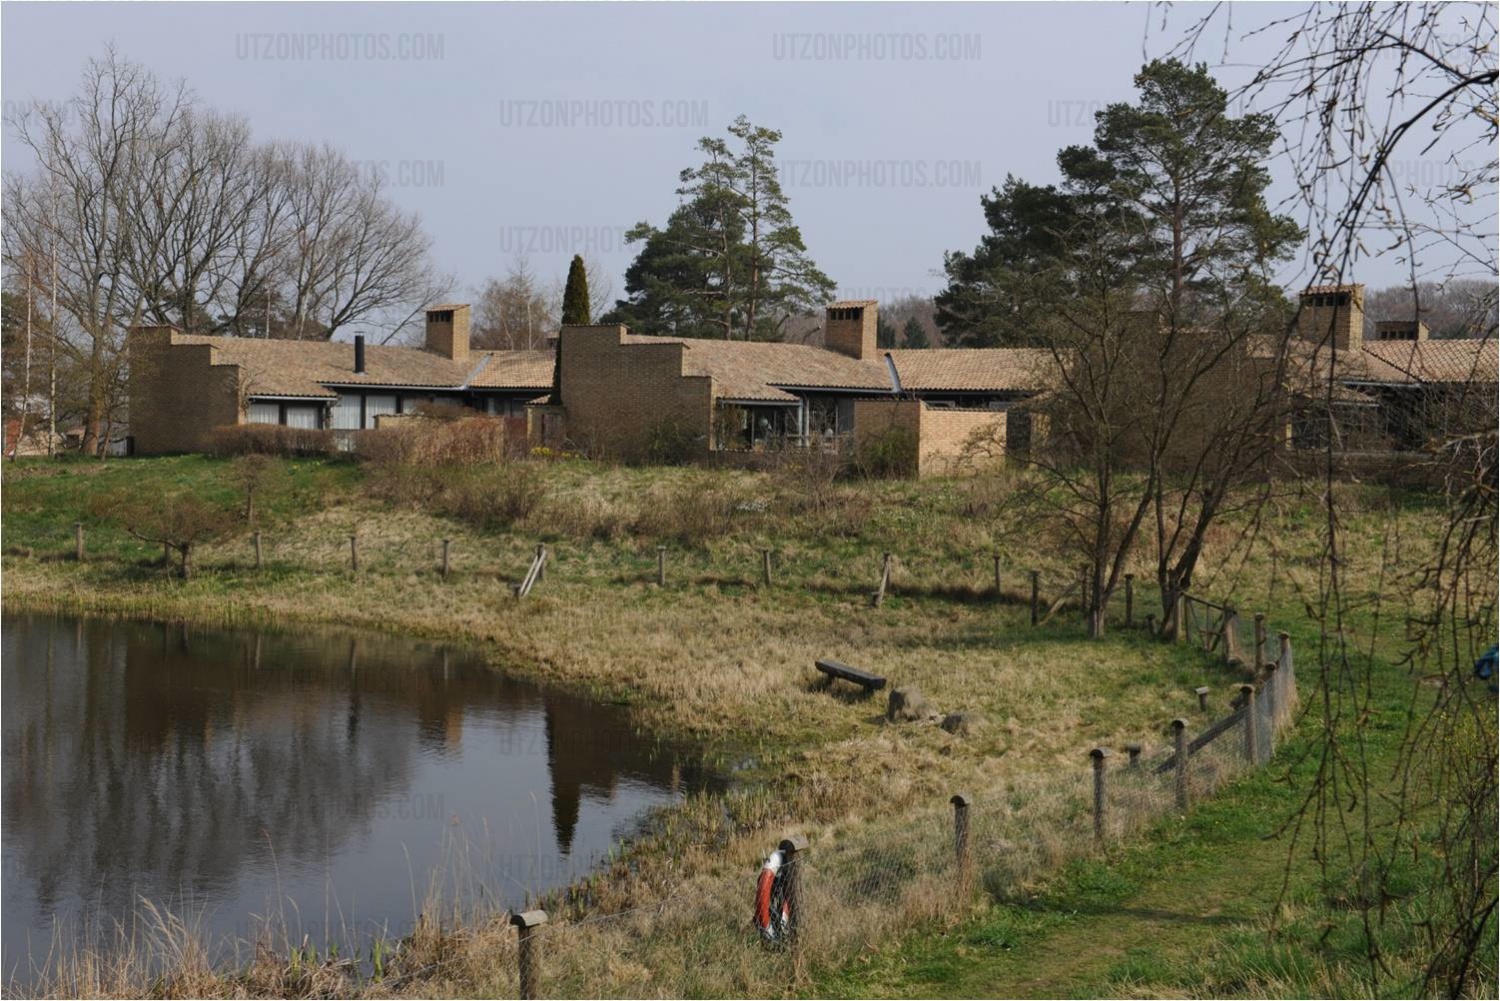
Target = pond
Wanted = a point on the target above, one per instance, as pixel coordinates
(328, 780)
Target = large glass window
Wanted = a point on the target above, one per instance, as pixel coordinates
(346, 412)
(299, 415)
(377, 405)
(264, 413)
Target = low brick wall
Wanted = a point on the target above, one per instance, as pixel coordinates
(960, 442)
(949, 442)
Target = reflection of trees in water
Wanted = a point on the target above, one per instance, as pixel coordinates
(136, 752)
(591, 747)
(156, 760)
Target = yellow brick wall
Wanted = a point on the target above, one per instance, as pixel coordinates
(946, 434)
(616, 395)
(178, 395)
(942, 434)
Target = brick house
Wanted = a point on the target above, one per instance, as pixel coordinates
(621, 391)
(182, 386)
(1392, 392)
(618, 392)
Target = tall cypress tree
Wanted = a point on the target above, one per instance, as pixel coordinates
(575, 307)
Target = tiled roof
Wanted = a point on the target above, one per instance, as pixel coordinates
(977, 369)
(305, 368)
(751, 370)
(1458, 360)
(515, 370)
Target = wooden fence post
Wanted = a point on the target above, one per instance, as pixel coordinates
(1085, 599)
(1129, 600)
(1231, 633)
(791, 857)
(1202, 693)
(445, 559)
(541, 556)
(878, 598)
(1099, 754)
(1036, 585)
(765, 566)
(529, 958)
(1134, 750)
(256, 539)
(78, 541)
(961, 857)
(996, 558)
(1151, 624)
(1252, 753)
(354, 553)
(1260, 640)
(661, 566)
(1179, 744)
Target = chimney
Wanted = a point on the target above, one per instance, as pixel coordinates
(1333, 314)
(359, 354)
(850, 329)
(1401, 330)
(448, 331)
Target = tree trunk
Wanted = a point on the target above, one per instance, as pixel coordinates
(187, 560)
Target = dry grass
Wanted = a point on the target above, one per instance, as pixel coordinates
(719, 658)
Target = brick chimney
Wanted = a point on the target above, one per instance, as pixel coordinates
(448, 331)
(1333, 314)
(1401, 330)
(850, 329)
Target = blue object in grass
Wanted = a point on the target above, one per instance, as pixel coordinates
(1485, 666)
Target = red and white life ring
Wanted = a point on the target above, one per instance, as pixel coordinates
(773, 919)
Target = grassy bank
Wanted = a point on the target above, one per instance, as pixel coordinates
(717, 657)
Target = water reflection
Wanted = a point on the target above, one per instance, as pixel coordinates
(322, 776)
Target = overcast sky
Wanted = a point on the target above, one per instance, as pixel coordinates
(547, 130)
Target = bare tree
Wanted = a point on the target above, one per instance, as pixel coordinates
(1364, 94)
(516, 312)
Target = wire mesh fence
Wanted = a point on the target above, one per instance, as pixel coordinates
(858, 885)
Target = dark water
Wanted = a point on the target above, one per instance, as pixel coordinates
(325, 779)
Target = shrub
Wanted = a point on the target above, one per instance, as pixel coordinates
(693, 515)
(257, 476)
(492, 498)
(438, 438)
(179, 519)
(271, 439)
(888, 453)
(485, 496)
(667, 443)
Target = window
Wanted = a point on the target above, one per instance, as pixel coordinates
(300, 415)
(378, 405)
(264, 413)
(346, 412)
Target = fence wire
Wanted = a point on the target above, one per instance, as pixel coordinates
(861, 884)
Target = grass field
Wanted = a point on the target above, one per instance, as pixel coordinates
(719, 658)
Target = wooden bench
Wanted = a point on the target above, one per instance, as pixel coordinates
(832, 668)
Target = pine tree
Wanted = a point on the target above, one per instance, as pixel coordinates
(575, 307)
(730, 262)
(914, 335)
(885, 333)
